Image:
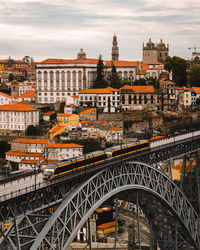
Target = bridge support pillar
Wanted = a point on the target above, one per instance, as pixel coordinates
(89, 235)
(138, 221)
(116, 219)
(183, 173)
(198, 179)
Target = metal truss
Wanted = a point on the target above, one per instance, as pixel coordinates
(80, 203)
(30, 212)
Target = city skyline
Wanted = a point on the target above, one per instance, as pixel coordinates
(59, 29)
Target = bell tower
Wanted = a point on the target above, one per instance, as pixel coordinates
(115, 49)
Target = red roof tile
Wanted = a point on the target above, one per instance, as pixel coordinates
(59, 145)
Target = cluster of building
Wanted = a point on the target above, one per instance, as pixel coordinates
(36, 153)
(69, 83)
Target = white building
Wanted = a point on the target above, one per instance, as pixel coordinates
(23, 88)
(17, 117)
(29, 145)
(114, 135)
(5, 99)
(56, 79)
(62, 151)
(18, 156)
(108, 98)
(27, 96)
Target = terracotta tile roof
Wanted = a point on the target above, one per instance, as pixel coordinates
(27, 85)
(140, 89)
(105, 123)
(5, 95)
(48, 113)
(69, 61)
(107, 90)
(27, 94)
(46, 162)
(17, 153)
(114, 129)
(91, 126)
(101, 210)
(144, 66)
(196, 90)
(122, 63)
(29, 162)
(142, 72)
(88, 111)
(56, 128)
(84, 121)
(30, 141)
(66, 115)
(59, 145)
(17, 107)
(106, 225)
(71, 105)
(156, 67)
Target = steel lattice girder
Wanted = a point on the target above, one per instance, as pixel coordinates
(82, 202)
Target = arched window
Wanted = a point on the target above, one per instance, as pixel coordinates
(51, 75)
(45, 75)
(63, 78)
(125, 75)
(39, 75)
(68, 79)
(74, 79)
(57, 76)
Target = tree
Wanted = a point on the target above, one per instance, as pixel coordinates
(198, 102)
(4, 147)
(114, 78)
(153, 81)
(194, 76)
(11, 77)
(177, 66)
(100, 81)
(32, 130)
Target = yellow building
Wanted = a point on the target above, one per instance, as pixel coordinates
(65, 121)
(106, 228)
(68, 119)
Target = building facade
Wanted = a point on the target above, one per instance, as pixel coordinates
(108, 98)
(17, 117)
(62, 151)
(153, 53)
(138, 97)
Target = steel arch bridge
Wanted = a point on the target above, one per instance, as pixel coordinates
(158, 195)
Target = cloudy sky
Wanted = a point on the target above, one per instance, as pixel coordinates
(59, 28)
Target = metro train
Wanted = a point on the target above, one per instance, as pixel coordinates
(59, 169)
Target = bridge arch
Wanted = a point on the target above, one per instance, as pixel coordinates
(81, 202)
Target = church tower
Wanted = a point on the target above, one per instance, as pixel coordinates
(115, 49)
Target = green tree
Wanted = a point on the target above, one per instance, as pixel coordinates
(4, 147)
(100, 81)
(153, 81)
(198, 102)
(32, 130)
(114, 78)
(11, 77)
(177, 66)
(194, 76)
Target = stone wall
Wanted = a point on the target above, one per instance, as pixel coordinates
(114, 119)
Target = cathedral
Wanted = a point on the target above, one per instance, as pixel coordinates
(155, 53)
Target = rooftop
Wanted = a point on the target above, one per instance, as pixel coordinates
(107, 90)
(59, 145)
(30, 141)
(17, 107)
